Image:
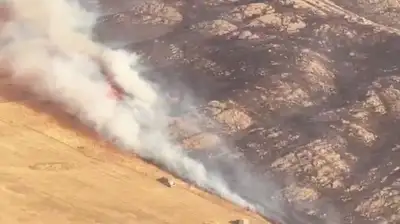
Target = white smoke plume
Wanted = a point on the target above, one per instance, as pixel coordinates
(46, 46)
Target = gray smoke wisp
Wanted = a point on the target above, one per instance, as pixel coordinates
(47, 47)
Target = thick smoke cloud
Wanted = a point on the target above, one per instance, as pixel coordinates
(47, 47)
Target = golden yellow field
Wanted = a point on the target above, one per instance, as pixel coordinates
(52, 170)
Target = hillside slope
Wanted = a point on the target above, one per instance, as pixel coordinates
(307, 91)
(54, 173)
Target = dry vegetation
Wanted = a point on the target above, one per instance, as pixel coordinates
(309, 90)
(306, 90)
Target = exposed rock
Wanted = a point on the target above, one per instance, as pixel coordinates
(297, 193)
(320, 160)
(317, 75)
(157, 12)
(201, 141)
(374, 102)
(286, 94)
(251, 10)
(362, 134)
(215, 27)
(230, 115)
(290, 24)
(218, 2)
(374, 207)
(392, 96)
(247, 35)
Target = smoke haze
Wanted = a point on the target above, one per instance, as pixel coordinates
(48, 48)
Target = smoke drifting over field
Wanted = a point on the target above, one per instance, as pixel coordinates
(48, 48)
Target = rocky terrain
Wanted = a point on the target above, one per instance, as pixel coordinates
(308, 90)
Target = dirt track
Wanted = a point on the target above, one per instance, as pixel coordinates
(305, 89)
